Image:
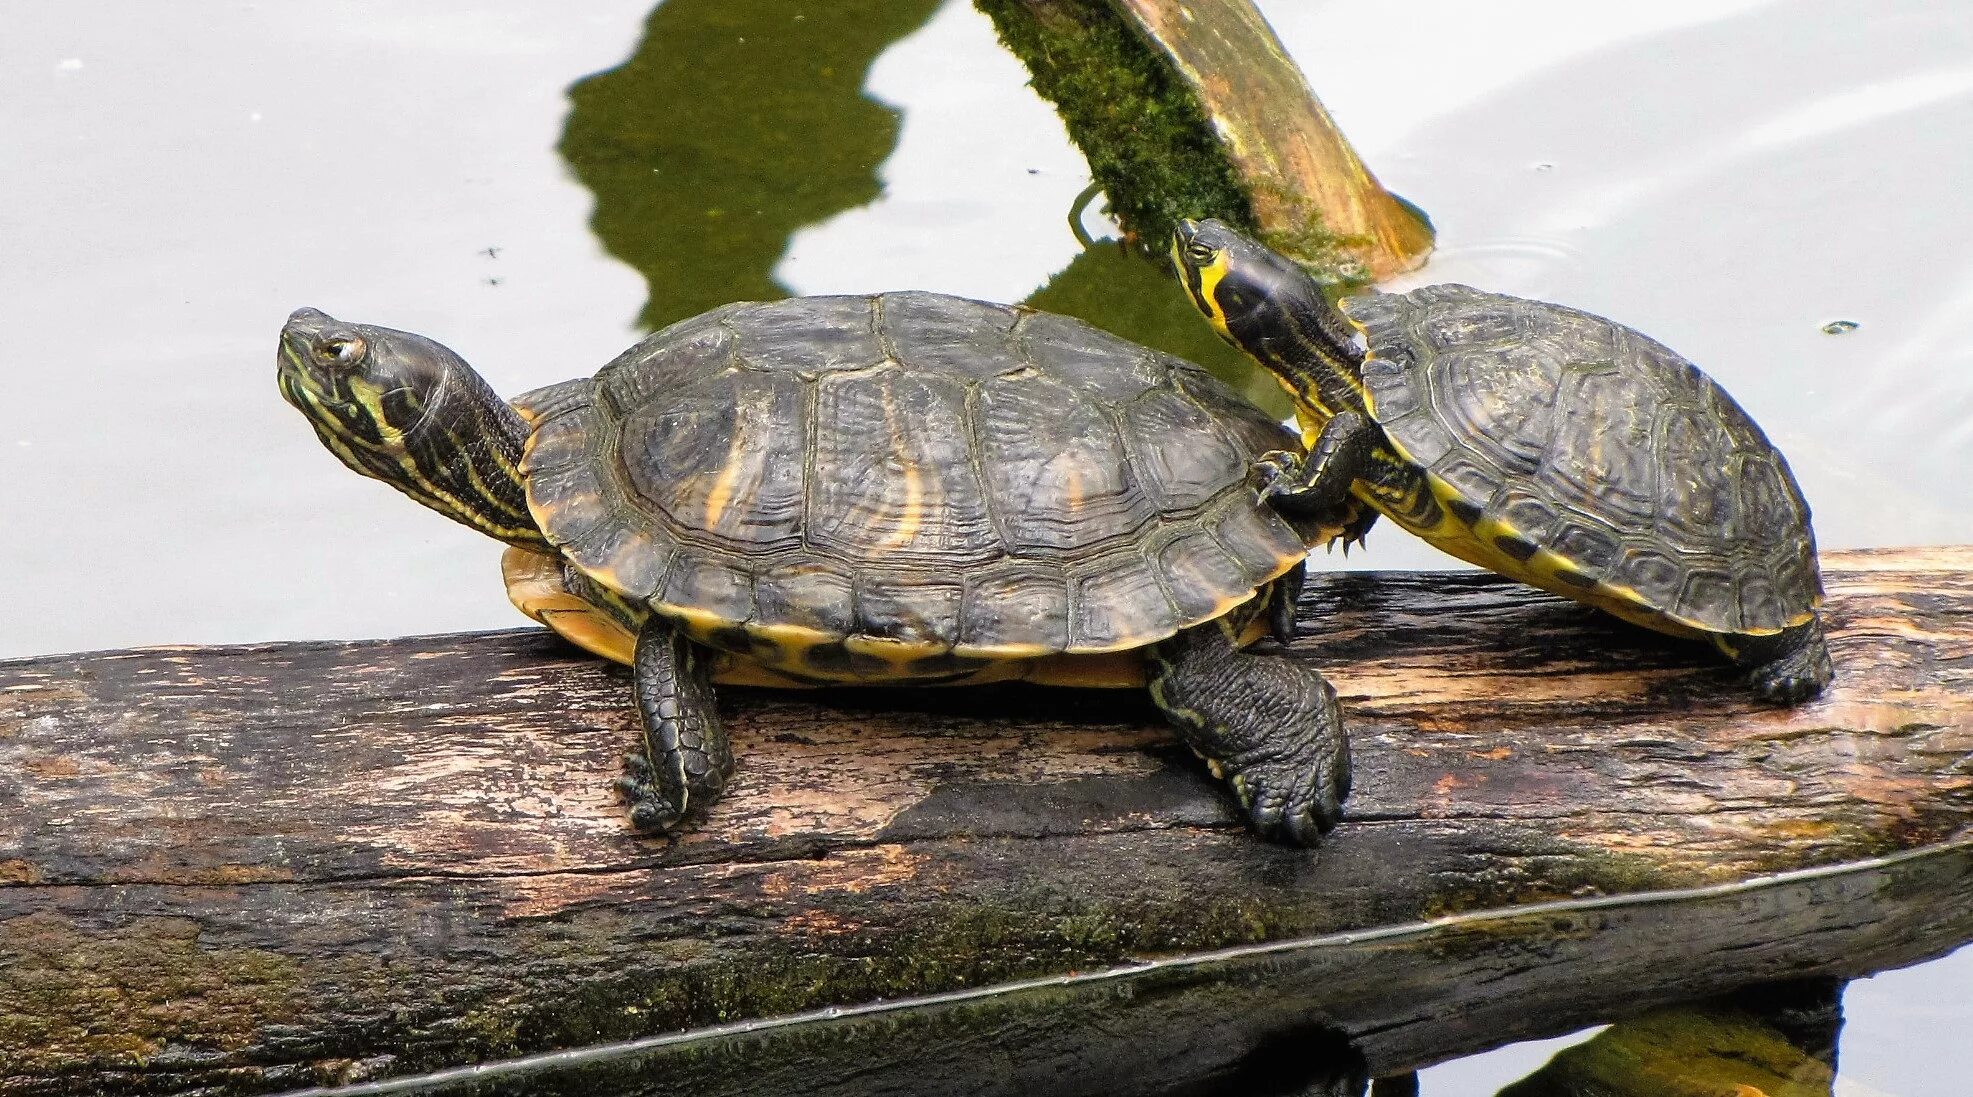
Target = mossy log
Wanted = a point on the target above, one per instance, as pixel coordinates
(257, 868)
(1194, 109)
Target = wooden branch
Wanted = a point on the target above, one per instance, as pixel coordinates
(1195, 109)
(266, 867)
(1298, 169)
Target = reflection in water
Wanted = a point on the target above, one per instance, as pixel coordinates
(1132, 295)
(732, 125)
(735, 124)
(1777, 1041)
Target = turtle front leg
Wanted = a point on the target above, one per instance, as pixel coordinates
(1269, 726)
(686, 758)
(1315, 487)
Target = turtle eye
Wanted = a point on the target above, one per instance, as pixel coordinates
(342, 350)
(1200, 253)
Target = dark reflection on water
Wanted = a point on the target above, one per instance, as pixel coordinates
(1773, 1041)
(731, 126)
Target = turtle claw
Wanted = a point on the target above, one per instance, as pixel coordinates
(1298, 797)
(651, 812)
(1788, 668)
(1290, 806)
(1275, 473)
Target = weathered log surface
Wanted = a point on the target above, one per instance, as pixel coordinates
(1194, 109)
(280, 865)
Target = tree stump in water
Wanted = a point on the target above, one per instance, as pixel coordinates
(266, 867)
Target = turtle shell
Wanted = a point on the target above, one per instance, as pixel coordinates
(906, 484)
(1556, 430)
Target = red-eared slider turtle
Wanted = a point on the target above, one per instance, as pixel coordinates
(906, 488)
(1549, 445)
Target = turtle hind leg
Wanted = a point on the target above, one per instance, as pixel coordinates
(685, 758)
(1787, 667)
(1270, 726)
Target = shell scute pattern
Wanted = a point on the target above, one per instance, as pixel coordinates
(1015, 610)
(1194, 566)
(1600, 458)
(1233, 416)
(707, 590)
(906, 485)
(920, 610)
(1598, 444)
(1501, 398)
(668, 363)
(1118, 605)
(826, 335)
(1056, 467)
(1252, 537)
(806, 594)
(723, 457)
(949, 335)
(1102, 369)
(892, 478)
(1185, 457)
(1697, 510)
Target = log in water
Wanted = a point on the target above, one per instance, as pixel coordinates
(283, 865)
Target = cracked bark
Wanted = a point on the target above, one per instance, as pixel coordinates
(260, 868)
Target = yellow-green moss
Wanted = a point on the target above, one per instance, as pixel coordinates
(1149, 143)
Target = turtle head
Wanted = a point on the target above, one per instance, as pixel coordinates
(1237, 283)
(373, 387)
(1268, 306)
(403, 409)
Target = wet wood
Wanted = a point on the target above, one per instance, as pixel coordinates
(1192, 108)
(267, 867)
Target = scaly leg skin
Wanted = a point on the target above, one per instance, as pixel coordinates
(686, 758)
(1270, 726)
(1282, 599)
(1787, 667)
(1317, 485)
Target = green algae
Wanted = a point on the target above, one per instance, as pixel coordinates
(79, 1000)
(1146, 136)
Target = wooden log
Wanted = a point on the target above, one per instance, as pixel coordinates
(1194, 109)
(256, 868)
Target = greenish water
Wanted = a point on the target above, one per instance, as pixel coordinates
(536, 187)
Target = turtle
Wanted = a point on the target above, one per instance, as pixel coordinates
(1541, 442)
(894, 488)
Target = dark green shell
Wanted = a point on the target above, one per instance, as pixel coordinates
(1598, 444)
(911, 469)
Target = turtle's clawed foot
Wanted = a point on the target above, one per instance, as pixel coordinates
(1789, 667)
(1277, 472)
(1793, 678)
(651, 811)
(1269, 725)
(1298, 799)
